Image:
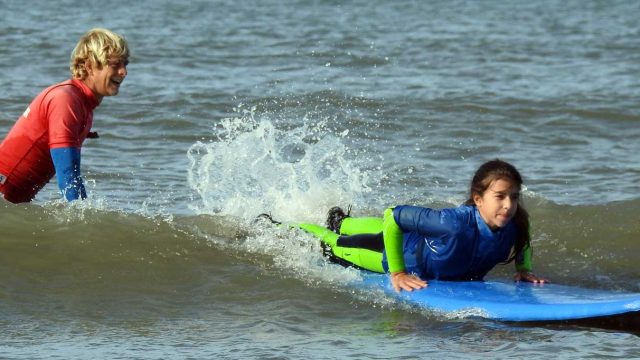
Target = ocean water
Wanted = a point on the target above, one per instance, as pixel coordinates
(235, 108)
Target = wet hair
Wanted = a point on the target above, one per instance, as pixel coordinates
(98, 46)
(486, 174)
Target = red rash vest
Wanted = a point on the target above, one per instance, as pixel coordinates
(60, 116)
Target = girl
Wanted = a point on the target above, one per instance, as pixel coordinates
(415, 243)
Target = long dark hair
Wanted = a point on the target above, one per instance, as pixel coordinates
(486, 174)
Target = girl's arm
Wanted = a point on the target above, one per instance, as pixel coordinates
(523, 260)
(524, 267)
(392, 235)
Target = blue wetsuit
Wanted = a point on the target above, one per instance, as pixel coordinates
(450, 244)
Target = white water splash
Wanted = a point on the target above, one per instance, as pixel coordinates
(256, 166)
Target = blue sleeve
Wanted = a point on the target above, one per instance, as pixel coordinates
(67, 164)
(431, 222)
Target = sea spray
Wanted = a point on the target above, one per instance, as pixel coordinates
(256, 166)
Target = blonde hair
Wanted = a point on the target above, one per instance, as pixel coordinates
(98, 46)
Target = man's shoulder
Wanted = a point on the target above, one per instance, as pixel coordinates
(63, 92)
(66, 86)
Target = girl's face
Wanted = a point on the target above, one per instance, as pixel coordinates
(498, 203)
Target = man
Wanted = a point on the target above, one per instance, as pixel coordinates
(47, 138)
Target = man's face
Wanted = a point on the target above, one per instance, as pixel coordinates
(106, 81)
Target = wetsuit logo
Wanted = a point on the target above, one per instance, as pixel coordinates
(2, 179)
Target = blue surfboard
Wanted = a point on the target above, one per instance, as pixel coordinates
(513, 301)
(517, 301)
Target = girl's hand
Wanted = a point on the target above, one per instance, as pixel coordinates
(402, 281)
(528, 276)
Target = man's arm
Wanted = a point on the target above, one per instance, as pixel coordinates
(66, 161)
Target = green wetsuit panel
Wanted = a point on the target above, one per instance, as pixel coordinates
(526, 264)
(362, 225)
(393, 239)
(363, 258)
